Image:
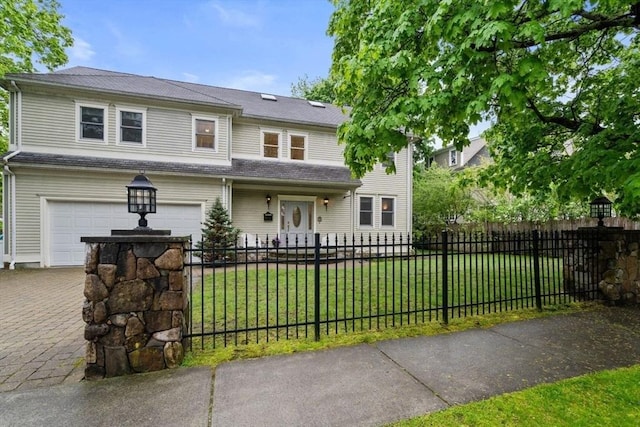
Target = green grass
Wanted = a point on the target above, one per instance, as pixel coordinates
(607, 398)
(214, 356)
(363, 296)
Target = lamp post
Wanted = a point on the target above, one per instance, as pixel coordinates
(600, 208)
(141, 199)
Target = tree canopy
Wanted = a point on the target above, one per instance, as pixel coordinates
(31, 32)
(318, 89)
(558, 79)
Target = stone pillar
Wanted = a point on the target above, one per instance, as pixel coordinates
(136, 300)
(603, 259)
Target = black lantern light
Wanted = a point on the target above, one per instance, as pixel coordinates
(600, 208)
(268, 198)
(326, 202)
(142, 199)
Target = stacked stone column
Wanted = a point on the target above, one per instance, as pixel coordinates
(136, 300)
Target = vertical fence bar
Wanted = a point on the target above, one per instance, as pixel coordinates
(536, 268)
(445, 279)
(316, 287)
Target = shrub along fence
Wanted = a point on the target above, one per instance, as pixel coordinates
(329, 284)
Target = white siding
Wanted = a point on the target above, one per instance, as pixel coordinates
(321, 146)
(35, 185)
(49, 122)
(378, 184)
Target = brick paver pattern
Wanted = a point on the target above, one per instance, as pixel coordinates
(41, 339)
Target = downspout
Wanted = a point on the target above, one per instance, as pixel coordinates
(12, 202)
(12, 177)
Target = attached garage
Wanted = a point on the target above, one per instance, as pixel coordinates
(68, 221)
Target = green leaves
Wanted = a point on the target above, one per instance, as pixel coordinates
(30, 33)
(560, 79)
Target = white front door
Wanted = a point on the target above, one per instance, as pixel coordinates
(296, 222)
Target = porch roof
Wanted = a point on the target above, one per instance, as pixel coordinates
(241, 170)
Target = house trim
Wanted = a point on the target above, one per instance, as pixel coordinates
(105, 122)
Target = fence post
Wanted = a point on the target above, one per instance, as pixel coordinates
(316, 287)
(536, 268)
(445, 278)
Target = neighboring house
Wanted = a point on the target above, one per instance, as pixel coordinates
(474, 154)
(79, 136)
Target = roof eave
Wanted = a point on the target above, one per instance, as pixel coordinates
(17, 79)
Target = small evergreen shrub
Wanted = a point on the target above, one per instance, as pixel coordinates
(218, 235)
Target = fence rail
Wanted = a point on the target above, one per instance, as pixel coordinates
(336, 284)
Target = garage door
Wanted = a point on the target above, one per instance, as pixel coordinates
(69, 221)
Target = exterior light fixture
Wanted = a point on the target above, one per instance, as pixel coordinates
(600, 208)
(141, 199)
(268, 201)
(326, 202)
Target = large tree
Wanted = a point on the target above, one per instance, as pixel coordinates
(318, 89)
(559, 80)
(31, 33)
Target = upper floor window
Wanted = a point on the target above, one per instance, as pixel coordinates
(92, 122)
(270, 144)
(387, 211)
(204, 133)
(366, 211)
(131, 126)
(453, 158)
(297, 145)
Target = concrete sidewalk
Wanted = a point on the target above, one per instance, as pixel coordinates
(364, 385)
(370, 385)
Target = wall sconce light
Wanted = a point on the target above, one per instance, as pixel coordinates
(600, 208)
(326, 202)
(268, 198)
(141, 199)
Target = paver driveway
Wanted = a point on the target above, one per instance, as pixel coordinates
(41, 340)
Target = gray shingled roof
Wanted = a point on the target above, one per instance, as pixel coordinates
(249, 104)
(259, 171)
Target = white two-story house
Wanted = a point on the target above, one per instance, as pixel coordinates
(79, 136)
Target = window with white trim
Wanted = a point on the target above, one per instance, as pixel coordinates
(297, 146)
(270, 144)
(365, 210)
(205, 132)
(387, 211)
(131, 126)
(92, 122)
(454, 157)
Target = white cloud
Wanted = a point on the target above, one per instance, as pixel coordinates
(80, 51)
(191, 78)
(124, 45)
(235, 17)
(254, 81)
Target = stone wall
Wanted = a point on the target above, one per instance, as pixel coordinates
(136, 300)
(603, 262)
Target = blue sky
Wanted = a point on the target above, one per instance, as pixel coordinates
(258, 45)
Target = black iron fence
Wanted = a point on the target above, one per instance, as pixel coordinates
(330, 284)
